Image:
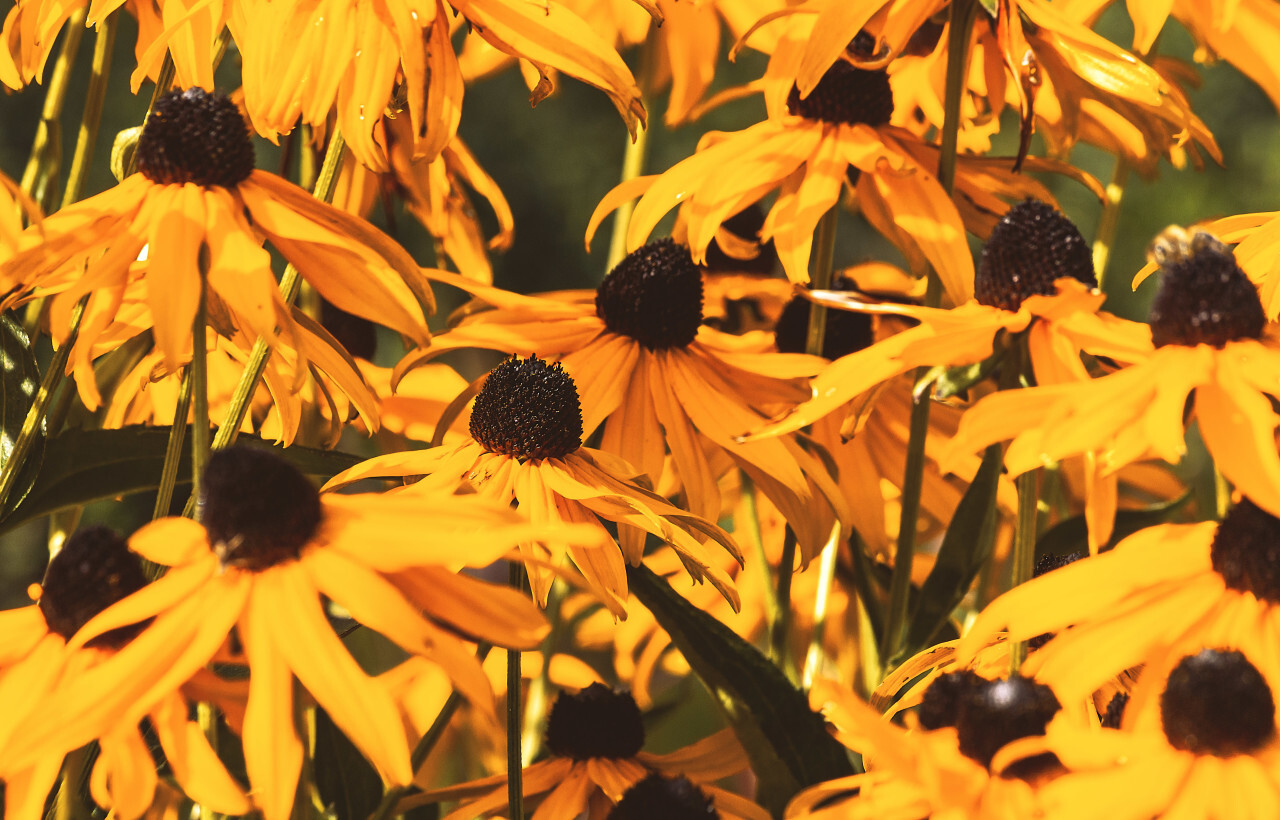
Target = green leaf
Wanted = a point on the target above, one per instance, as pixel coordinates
(956, 381)
(786, 741)
(965, 548)
(19, 383)
(81, 466)
(348, 785)
(1072, 534)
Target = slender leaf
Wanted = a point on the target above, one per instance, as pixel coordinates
(965, 548)
(19, 383)
(1072, 534)
(81, 466)
(787, 742)
(349, 786)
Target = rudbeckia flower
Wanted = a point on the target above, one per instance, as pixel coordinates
(360, 56)
(1207, 326)
(93, 570)
(596, 739)
(1207, 749)
(526, 446)
(199, 208)
(939, 767)
(807, 149)
(1161, 592)
(270, 551)
(650, 373)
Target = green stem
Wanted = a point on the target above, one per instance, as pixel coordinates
(1024, 547)
(43, 161)
(823, 264)
(756, 544)
(31, 425)
(963, 13)
(535, 703)
(87, 137)
(199, 395)
(633, 161)
(780, 629)
(173, 452)
(515, 760)
(826, 574)
(1109, 222)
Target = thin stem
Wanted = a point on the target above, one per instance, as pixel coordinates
(1024, 547)
(826, 574)
(823, 264)
(173, 452)
(47, 145)
(1109, 222)
(515, 760)
(535, 704)
(963, 13)
(87, 137)
(633, 161)
(756, 544)
(199, 395)
(780, 629)
(31, 425)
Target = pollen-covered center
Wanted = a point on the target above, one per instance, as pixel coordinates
(1001, 711)
(258, 509)
(848, 95)
(1217, 703)
(92, 571)
(1205, 298)
(671, 798)
(654, 296)
(194, 136)
(846, 331)
(1246, 551)
(945, 698)
(596, 722)
(528, 408)
(1031, 247)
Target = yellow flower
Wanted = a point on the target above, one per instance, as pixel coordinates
(526, 446)
(1207, 326)
(43, 651)
(198, 208)
(356, 54)
(270, 552)
(652, 374)
(595, 739)
(1207, 749)
(1160, 593)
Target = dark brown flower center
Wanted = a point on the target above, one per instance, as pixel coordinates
(946, 696)
(671, 798)
(258, 509)
(93, 570)
(1115, 710)
(1246, 551)
(528, 409)
(1204, 297)
(193, 136)
(848, 95)
(1000, 711)
(1217, 703)
(745, 225)
(654, 296)
(1031, 247)
(596, 722)
(1048, 563)
(846, 330)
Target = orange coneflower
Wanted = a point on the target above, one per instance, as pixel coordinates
(198, 208)
(269, 553)
(93, 570)
(595, 738)
(526, 446)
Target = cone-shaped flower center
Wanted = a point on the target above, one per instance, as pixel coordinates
(528, 409)
(654, 296)
(1001, 711)
(1115, 710)
(846, 95)
(258, 509)
(1031, 247)
(946, 696)
(194, 136)
(745, 225)
(674, 798)
(847, 330)
(92, 571)
(596, 722)
(1217, 703)
(1246, 551)
(1204, 297)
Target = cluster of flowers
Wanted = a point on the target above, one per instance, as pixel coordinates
(827, 432)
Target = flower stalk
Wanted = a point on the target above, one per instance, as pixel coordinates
(87, 136)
